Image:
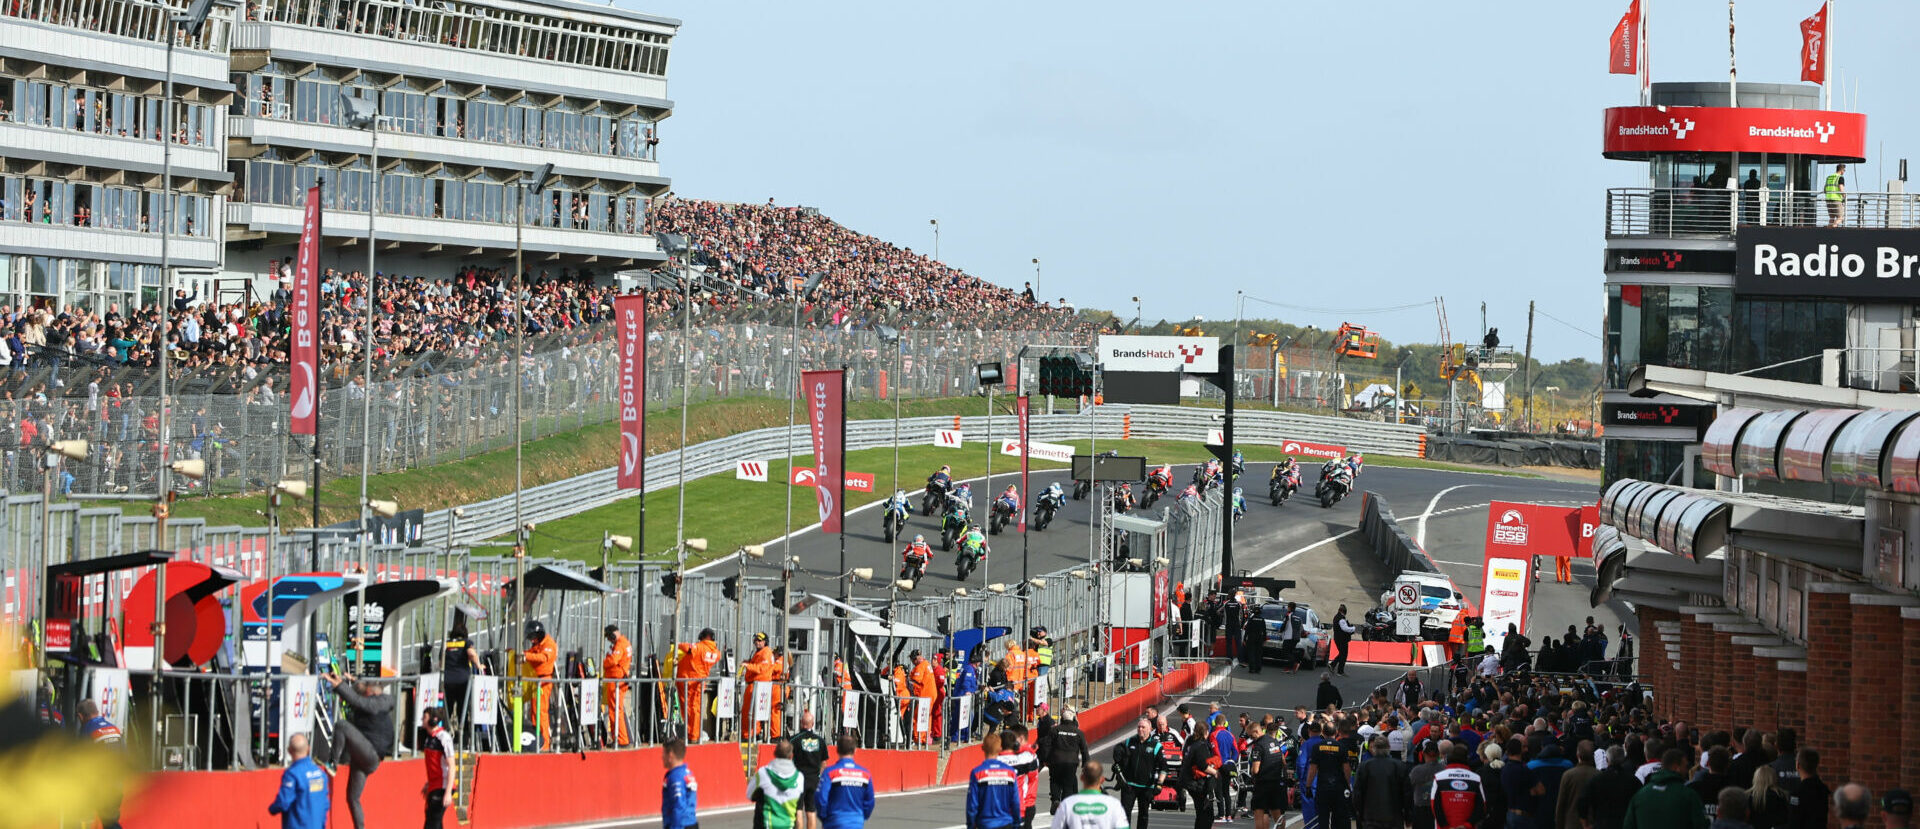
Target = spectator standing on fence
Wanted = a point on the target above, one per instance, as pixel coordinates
(437, 750)
(679, 791)
(775, 790)
(845, 796)
(305, 795)
(809, 755)
(362, 739)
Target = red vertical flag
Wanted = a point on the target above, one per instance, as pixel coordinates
(1813, 47)
(304, 393)
(630, 323)
(824, 395)
(1026, 488)
(1623, 54)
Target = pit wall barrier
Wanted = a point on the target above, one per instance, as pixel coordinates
(526, 790)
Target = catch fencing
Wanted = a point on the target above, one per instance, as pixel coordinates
(433, 411)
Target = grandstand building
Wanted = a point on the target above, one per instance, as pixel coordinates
(81, 150)
(473, 98)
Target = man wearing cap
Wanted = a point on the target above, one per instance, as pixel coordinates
(1896, 809)
(539, 659)
(921, 683)
(1064, 750)
(759, 669)
(694, 662)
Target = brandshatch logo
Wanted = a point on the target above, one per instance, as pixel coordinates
(1666, 259)
(1512, 529)
(1680, 132)
(1189, 352)
(1661, 414)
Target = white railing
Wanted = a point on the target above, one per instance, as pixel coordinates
(1700, 211)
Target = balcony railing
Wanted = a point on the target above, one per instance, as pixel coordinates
(1644, 211)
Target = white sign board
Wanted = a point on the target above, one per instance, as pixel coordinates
(965, 717)
(1193, 355)
(949, 438)
(297, 703)
(1505, 598)
(1066, 684)
(590, 703)
(1406, 623)
(1434, 654)
(750, 471)
(850, 709)
(922, 714)
(113, 690)
(762, 701)
(1040, 687)
(1216, 437)
(1056, 452)
(426, 695)
(483, 694)
(723, 704)
(893, 726)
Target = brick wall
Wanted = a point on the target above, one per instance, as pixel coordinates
(1791, 710)
(1879, 655)
(1748, 711)
(1695, 685)
(1910, 694)
(1830, 673)
(1653, 665)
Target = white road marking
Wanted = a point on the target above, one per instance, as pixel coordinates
(1290, 556)
(1420, 537)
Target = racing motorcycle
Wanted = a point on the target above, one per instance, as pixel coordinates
(1239, 504)
(1045, 507)
(913, 568)
(1336, 482)
(953, 526)
(1157, 484)
(1280, 487)
(1378, 626)
(935, 496)
(894, 520)
(1003, 510)
(973, 550)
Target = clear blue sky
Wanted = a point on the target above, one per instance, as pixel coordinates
(1336, 155)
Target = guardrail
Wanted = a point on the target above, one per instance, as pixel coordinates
(494, 517)
(1399, 551)
(1703, 211)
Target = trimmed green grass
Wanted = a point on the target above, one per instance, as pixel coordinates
(731, 513)
(548, 459)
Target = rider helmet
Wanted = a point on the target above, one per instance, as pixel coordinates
(945, 468)
(919, 539)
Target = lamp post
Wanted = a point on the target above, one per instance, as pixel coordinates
(891, 337)
(740, 599)
(364, 113)
(698, 545)
(989, 375)
(368, 507)
(686, 386)
(608, 543)
(1036, 278)
(936, 238)
(528, 184)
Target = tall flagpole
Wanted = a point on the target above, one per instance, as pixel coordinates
(1646, 58)
(1826, 61)
(1733, 72)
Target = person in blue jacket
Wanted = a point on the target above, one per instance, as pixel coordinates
(1229, 754)
(679, 792)
(967, 684)
(1302, 759)
(845, 796)
(993, 790)
(305, 792)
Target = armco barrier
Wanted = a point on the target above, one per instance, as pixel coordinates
(1399, 551)
(524, 790)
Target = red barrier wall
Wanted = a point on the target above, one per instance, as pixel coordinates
(515, 790)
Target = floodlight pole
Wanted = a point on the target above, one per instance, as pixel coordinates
(1222, 379)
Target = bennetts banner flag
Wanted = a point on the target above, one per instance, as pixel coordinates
(824, 395)
(630, 324)
(304, 394)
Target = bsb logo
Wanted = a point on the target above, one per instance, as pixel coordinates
(1512, 529)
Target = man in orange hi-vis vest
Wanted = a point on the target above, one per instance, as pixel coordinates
(538, 660)
(615, 668)
(695, 663)
(921, 684)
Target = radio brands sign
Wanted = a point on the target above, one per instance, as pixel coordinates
(1849, 263)
(1193, 355)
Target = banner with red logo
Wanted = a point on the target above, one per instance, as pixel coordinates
(1589, 521)
(1026, 488)
(824, 393)
(630, 329)
(1323, 451)
(854, 481)
(1533, 529)
(1633, 132)
(303, 395)
(1813, 47)
(1623, 52)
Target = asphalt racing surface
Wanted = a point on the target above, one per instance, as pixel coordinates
(1319, 548)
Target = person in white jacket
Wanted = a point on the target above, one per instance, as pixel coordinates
(775, 790)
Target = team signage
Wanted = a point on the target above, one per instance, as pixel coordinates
(949, 438)
(304, 389)
(808, 476)
(1057, 452)
(1503, 601)
(1193, 355)
(1533, 529)
(1656, 414)
(1826, 135)
(750, 470)
(825, 395)
(1313, 450)
(630, 332)
(1667, 260)
(1851, 263)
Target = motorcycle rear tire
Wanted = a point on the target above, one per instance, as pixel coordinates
(1276, 497)
(886, 530)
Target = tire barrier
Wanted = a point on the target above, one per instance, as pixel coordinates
(1577, 454)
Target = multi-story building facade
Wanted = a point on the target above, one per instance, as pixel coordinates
(82, 146)
(473, 98)
(1685, 288)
